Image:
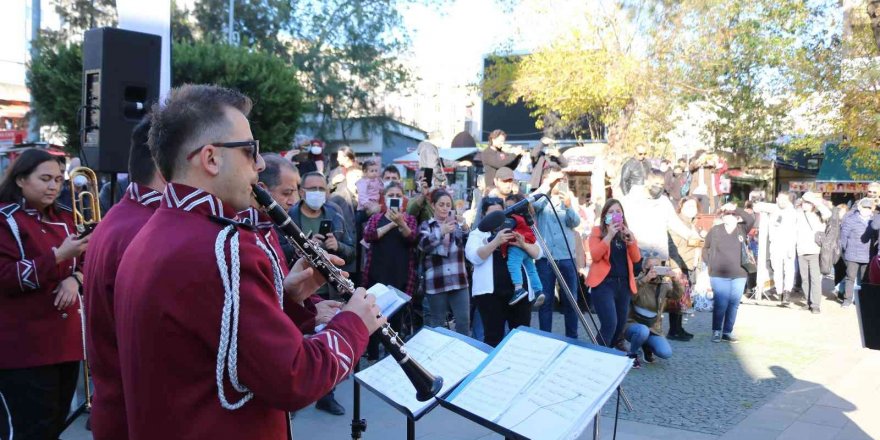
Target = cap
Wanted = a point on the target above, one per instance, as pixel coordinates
(866, 203)
(504, 173)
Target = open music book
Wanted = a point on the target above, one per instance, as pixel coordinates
(442, 352)
(389, 300)
(536, 385)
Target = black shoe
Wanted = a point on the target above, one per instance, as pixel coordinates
(687, 336)
(649, 354)
(784, 302)
(729, 338)
(329, 404)
(679, 337)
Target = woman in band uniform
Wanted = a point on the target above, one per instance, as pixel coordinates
(40, 328)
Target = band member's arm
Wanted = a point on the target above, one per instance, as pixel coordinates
(24, 275)
(275, 361)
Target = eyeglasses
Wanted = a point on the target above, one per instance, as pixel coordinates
(254, 144)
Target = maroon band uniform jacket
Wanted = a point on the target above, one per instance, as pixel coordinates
(169, 302)
(33, 332)
(109, 240)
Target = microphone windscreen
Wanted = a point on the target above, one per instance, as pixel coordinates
(491, 221)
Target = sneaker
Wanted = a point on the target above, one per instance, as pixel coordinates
(727, 337)
(518, 296)
(678, 337)
(649, 354)
(815, 311)
(716, 336)
(847, 303)
(635, 358)
(539, 300)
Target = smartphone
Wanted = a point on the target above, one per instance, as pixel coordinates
(393, 203)
(325, 228)
(428, 174)
(662, 270)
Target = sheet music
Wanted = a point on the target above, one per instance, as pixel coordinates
(516, 364)
(442, 355)
(569, 393)
(389, 300)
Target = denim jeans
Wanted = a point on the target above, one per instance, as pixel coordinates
(611, 300)
(517, 259)
(727, 293)
(548, 281)
(639, 335)
(459, 302)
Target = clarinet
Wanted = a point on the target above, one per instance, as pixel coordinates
(426, 384)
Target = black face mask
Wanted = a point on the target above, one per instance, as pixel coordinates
(655, 191)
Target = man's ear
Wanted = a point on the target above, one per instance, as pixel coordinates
(212, 160)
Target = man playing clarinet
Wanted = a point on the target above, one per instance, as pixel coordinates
(207, 346)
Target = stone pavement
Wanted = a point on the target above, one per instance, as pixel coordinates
(793, 376)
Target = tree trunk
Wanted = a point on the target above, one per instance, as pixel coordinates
(874, 14)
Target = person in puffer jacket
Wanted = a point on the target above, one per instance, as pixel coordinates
(856, 236)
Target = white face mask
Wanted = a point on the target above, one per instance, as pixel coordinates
(315, 150)
(315, 199)
(80, 180)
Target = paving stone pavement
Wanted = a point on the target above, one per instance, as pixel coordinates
(793, 376)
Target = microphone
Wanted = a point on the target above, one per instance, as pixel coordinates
(494, 219)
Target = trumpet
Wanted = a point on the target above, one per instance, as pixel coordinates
(86, 205)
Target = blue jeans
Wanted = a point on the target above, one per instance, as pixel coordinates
(611, 300)
(727, 293)
(548, 279)
(516, 260)
(638, 335)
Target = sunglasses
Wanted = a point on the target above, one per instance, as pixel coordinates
(254, 146)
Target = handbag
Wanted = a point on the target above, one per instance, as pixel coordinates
(644, 316)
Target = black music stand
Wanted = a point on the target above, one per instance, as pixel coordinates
(449, 381)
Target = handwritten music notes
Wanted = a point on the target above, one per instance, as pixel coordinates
(541, 387)
(441, 353)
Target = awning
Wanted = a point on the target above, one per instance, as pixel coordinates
(13, 111)
(840, 166)
(580, 159)
(411, 160)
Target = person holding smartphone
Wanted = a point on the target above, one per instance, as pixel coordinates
(392, 235)
(644, 325)
(611, 279)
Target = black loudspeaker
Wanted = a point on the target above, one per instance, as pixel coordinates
(120, 83)
(868, 305)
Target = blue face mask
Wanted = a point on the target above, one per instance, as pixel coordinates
(608, 219)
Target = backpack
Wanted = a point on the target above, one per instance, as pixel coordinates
(829, 248)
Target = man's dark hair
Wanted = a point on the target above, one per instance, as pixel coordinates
(271, 175)
(311, 174)
(141, 166)
(193, 115)
(391, 169)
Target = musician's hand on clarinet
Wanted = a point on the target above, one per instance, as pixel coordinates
(66, 293)
(364, 305)
(326, 310)
(71, 248)
(303, 280)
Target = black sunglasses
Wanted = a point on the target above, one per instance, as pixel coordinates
(254, 144)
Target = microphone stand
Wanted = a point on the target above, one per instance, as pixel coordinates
(572, 301)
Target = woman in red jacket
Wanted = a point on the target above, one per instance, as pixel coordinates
(40, 329)
(614, 250)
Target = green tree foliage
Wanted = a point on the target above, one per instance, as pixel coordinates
(345, 52)
(55, 79)
(266, 79)
(78, 16)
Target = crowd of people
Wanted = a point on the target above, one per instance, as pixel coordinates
(198, 307)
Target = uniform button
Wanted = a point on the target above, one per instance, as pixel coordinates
(64, 316)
